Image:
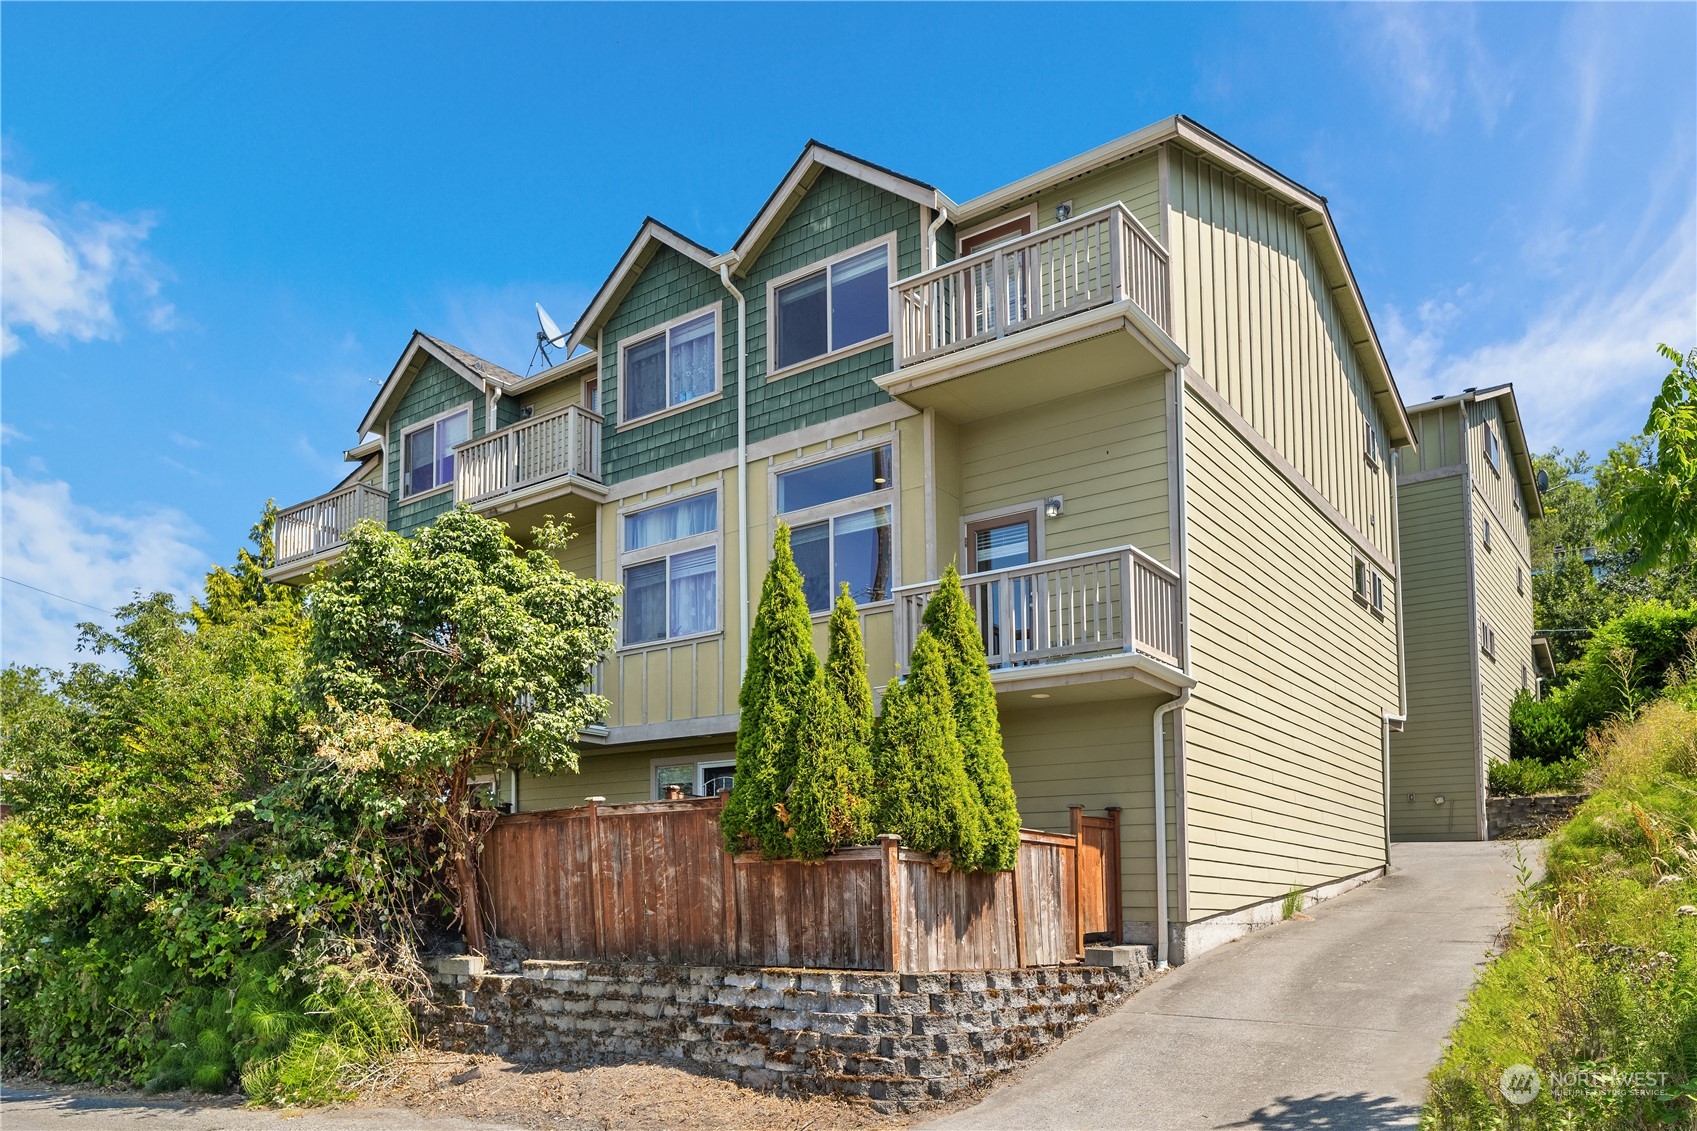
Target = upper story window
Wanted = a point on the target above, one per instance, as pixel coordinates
(1370, 444)
(671, 570)
(1486, 528)
(1488, 640)
(427, 452)
(1493, 449)
(1369, 586)
(831, 308)
(839, 512)
(676, 364)
(592, 395)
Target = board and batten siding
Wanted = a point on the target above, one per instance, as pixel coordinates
(1134, 181)
(1104, 452)
(1437, 440)
(555, 395)
(1500, 485)
(1283, 736)
(1436, 753)
(435, 389)
(1503, 583)
(1253, 310)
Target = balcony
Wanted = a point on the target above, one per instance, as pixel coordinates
(1118, 605)
(314, 530)
(1072, 284)
(524, 462)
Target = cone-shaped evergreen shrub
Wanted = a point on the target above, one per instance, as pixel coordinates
(922, 792)
(830, 803)
(948, 618)
(781, 669)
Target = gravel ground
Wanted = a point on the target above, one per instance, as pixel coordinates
(455, 1092)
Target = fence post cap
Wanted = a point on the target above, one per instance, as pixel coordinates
(594, 799)
(882, 837)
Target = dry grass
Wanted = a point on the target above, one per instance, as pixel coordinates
(628, 1097)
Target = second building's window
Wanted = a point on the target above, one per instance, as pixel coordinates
(840, 526)
(675, 366)
(671, 570)
(834, 308)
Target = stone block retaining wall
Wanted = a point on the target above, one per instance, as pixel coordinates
(898, 1040)
(1512, 818)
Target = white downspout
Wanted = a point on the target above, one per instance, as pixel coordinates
(1399, 720)
(742, 460)
(1177, 703)
(935, 226)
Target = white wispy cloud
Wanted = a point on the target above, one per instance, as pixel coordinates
(1583, 363)
(1431, 60)
(53, 543)
(63, 269)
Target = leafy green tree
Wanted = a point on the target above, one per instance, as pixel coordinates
(1656, 496)
(949, 620)
(229, 591)
(452, 649)
(782, 669)
(922, 793)
(830, 800)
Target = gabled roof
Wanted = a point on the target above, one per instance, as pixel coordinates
(481, 374)
(1514, 436)
(649, 238)
(815, 158)
(1316, 216)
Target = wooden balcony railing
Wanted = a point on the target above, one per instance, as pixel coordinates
(563, 443)
(1101, 256)
(323, 523)
(1118, 600)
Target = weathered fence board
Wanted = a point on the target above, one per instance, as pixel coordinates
(652, 882)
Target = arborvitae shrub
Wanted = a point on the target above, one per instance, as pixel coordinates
(830, 802)
(922, 792)
(781, 668)
(948, 618)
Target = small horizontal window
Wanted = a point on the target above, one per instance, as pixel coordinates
(697, 515)
(828, 481)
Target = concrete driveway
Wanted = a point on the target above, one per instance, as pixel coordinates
(1331, 1023)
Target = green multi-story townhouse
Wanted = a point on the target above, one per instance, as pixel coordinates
(1137, 397)
(1467, 494)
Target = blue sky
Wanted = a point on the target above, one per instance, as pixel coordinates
(223, 221)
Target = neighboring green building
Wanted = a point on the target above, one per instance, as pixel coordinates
(1135, 396)
(1466, 496)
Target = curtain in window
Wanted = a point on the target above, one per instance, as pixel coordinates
(694, 360)
(801, 321)
(860, 298)
(670, 522)
(645, 602)
(862, 552)
(645, 378)
(694, 592)
(420, 460)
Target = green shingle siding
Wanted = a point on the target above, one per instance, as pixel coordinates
(837, 213)
(435, 390)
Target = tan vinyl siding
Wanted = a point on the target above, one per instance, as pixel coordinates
(1135, 182)
(1499, 486)
(1437, 439)
(1253, 310)
(617, 776)
(1436, 754)
(1283, 755)
(1510, 614)
(1104, 452)
(559, 394)
(1093, 754)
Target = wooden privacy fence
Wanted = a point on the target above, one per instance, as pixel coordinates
(651, 882)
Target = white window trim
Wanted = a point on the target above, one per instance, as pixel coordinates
(419, 426)
(1005, 218)
(700, 761)
(1487, 640)
(980, 517)
(889, 495)
(835, 354)
(1485, 532)
(1370, 444)
(664, 550)
(1493, 443)
(666, 328)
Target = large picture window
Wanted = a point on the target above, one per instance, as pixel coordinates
(677, 365)
(671, 570)
(427, 452)
(840, 305)
(839, 512)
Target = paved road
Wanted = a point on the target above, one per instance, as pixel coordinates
(1331, 1023)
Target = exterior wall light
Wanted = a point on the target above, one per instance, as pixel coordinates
(1052, 508)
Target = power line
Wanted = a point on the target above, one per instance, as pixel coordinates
(60, 596)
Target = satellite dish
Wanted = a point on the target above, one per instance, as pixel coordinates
(549, 335)
(1543, 481)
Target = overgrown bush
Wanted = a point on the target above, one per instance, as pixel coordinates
(1600, 972)
(1540, 730)
(1628, 662)
(1520, 777)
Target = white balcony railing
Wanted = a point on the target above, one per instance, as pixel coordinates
(323, 523)
(567, 442)
(1101, 256)
(1118, 600)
